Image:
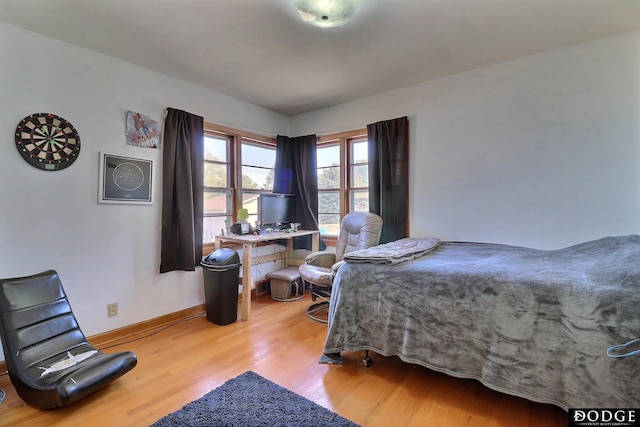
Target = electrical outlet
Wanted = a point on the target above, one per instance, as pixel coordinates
(112, 309)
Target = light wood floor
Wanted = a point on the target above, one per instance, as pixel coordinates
(181, 363)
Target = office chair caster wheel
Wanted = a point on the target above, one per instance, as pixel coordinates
(366, 360)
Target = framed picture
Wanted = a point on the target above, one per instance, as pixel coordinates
(125, 180)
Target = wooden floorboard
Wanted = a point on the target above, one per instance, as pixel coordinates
(180, 363)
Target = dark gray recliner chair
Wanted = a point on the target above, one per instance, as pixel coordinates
(49, 360)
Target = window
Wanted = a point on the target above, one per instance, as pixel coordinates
(258, 168)
(238, 166)
(329, 189)
(358, 188)
(342, 178)
(217, 185)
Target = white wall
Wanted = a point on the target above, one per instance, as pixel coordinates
(542, 151)
(103, 253)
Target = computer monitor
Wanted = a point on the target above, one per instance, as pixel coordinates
(276, 210)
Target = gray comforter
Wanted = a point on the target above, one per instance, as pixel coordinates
(531, 323)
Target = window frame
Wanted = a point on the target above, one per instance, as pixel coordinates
(229, 189)
(344, 140)
(242, 164)
(351, 188)
(235, 137)
(341, 187)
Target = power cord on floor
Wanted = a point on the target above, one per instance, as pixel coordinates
(196, 316)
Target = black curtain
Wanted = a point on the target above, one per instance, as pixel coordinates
(296, 173)
(182, 191)
(388, 143)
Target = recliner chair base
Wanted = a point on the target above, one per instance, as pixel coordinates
(322, 306)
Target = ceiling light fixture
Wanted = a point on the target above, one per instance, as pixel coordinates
(327, 13)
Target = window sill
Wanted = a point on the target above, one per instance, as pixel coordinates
(329, 240)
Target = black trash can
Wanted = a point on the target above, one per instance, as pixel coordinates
(220, 270)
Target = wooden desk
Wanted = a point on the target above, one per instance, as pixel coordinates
(247, 241)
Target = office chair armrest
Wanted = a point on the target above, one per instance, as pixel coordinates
(336, 266)
(321, 258)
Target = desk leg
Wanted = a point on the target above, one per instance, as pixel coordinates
(246, 280)
(289, 252)
(315, 242)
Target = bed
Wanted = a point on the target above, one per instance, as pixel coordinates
(531, 323)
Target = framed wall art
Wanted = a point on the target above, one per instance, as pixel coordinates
(125, 180)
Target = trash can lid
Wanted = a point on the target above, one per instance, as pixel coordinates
(223, 257)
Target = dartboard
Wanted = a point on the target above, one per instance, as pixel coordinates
(47, 141)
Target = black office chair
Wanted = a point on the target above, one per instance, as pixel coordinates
(358, 230)
(49, 360)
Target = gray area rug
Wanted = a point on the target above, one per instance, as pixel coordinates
(251, 400)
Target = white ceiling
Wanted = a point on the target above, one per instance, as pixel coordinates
(261, 52)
